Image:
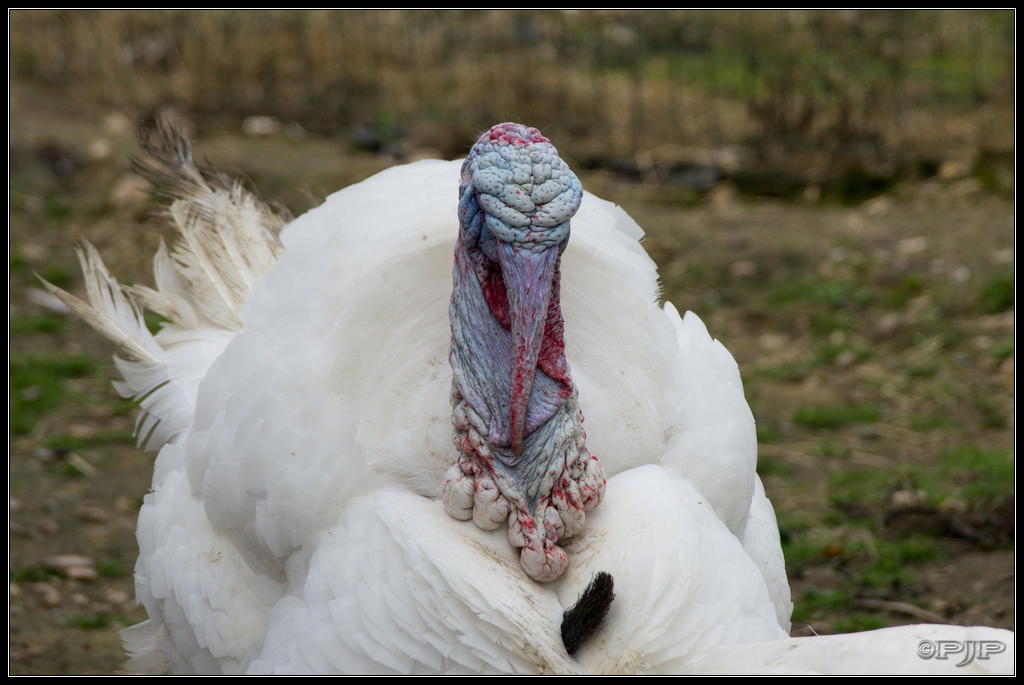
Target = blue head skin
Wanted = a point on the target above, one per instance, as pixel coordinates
(517, 423)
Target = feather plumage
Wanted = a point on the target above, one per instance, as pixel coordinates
(228, 240)
(295, 524)
(110, 311)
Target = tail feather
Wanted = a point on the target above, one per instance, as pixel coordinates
(109, 309)
(228, 242)
(229, 238)
(171, 298)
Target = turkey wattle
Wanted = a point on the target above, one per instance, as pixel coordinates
(523, 458)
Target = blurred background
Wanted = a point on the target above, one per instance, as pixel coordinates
(806, 95)
(832, 191)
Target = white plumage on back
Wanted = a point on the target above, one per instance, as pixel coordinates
(294, 524)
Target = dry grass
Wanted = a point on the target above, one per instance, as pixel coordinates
(800, 89)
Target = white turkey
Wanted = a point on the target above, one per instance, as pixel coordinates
(373, 461)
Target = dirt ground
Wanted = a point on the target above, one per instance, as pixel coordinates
(76, 480)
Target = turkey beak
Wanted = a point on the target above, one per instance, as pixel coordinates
(529, 275)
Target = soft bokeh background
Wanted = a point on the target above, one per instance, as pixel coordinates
(832, 191)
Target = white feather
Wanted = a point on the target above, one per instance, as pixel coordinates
(917, 649)
(109, 310)
(228, 242)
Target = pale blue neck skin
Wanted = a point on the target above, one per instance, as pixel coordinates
(516, 200)
(516, 418)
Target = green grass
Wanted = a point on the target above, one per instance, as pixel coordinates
(36, 573)
(892, 562)
(37, 385)
(768, 434)
(802, 545)
(62, 442)
(39, 573)
(816, 602)
(923, 370)
(829, 293)
(833, 417)
(92, 621)
(38, 323)
(830, 352)
(857, 622)
(898, 295)
(972, 474)
(790, 372)
(107, 568)
(1002, 351)
(997, 295)
(925, 422)
(58, 275)
(992, 415)
(856, 486)
(89, 621)
(978, 475)
(869, 566)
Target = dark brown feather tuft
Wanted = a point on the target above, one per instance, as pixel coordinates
(168, 164)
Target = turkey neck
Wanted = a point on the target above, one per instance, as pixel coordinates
(522, 453)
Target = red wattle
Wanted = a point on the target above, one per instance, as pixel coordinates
(551, 358)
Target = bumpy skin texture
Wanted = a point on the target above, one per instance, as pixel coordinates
(518, 427)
